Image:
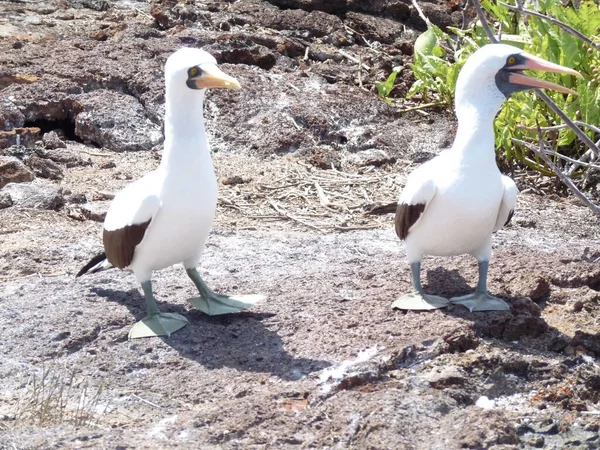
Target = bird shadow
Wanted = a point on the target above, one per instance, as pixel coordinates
(523, 323)
(242, 341)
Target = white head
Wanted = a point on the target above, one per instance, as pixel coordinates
(192, 69)
(495, 71)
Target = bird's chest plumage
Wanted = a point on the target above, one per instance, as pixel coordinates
(180, 228)
(461, 216)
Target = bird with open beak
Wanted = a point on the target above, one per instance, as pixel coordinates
(453, 203)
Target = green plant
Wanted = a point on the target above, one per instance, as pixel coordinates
(385, 88)
(436, 69)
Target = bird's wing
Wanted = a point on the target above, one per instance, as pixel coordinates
(129, 216)
(418, 192)
(507, 206)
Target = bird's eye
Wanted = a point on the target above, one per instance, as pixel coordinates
(512, 60)
(193, 72)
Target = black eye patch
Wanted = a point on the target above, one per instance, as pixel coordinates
(195, 72)
(516, 59)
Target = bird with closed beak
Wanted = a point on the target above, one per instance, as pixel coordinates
(165, 217)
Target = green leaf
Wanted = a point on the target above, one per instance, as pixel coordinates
(386, 87)
(426, 42)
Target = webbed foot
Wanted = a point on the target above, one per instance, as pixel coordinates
(480, 301)
(159, 324)
(416, 301)
(215, 304)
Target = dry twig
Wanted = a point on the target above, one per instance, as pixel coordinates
(541, 152)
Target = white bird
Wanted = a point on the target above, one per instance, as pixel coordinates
(453, 203)
(165, 217)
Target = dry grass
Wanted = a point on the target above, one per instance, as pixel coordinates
(313, 198)
(55, 395)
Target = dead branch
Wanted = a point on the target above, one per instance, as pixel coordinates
(541, 152)
(561, 127)
(484, 23)
(580, 134)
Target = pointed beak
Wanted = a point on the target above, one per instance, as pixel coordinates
(534, 63)
(213, 77)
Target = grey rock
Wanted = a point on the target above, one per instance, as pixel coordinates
(67, 157)
(35, 195)
(115, 121)
(95, 211)
(12, 170)
(52, 141)
(5, 200)
(371, 157)
(10, 116)
(45, 168)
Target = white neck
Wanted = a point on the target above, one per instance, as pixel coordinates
(185, 139)
(475, 135)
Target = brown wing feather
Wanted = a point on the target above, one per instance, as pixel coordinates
(120, 244)
(406, 216)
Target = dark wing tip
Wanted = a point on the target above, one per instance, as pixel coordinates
(510, 216)
(406, 216)
(95, 260)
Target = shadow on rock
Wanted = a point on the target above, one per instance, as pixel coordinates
(240, 341)
(523, 322)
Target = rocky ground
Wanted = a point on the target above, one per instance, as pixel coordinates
(301, 152)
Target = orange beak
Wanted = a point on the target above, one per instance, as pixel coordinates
(535, 63)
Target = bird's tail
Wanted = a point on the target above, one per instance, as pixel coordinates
(97, 264)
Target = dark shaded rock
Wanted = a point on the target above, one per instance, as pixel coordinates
(35, 195)
(10, 116)
(67, 157)
(253, 55)
(52, 140)
(589, 341)
(395, 9)
(45, 168)
(524, 325)
(12, 170)
(5, 200)
(308, 25)
(460, 341)
(439, 14)
(20, 137)
(281, 44)
(375, 28)
(558, 343)
(115, 121)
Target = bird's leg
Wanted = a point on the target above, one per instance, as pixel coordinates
(156, 323)
(417, 299)
(215, 304)
(480, 300)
